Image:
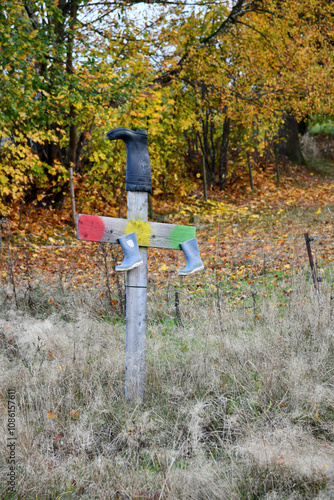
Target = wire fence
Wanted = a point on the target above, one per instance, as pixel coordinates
(238, 271)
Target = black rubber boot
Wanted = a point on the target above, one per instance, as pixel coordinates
(138, 166)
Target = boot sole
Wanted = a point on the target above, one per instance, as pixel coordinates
(132, 267)
(181, 273)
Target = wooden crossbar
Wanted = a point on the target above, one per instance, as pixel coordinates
(149, 234)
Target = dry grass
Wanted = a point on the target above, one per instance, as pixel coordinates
(236, 407)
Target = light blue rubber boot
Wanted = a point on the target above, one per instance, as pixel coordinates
(132, 257)
(191, 252)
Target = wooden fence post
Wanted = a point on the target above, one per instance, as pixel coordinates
(250, 171)
(310, 258)
(205, 190)
(136, 309)
(72, 195)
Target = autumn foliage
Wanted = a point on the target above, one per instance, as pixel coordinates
(212, 83)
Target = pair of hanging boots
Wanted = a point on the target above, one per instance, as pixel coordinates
(132, 257)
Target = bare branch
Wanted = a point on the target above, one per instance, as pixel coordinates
(241, 8)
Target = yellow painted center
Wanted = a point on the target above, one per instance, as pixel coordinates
(143, 230)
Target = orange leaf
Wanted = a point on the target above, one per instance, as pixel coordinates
(74, 414)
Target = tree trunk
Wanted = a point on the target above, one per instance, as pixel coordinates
(223, 152)
(72, 148)
(288, 140)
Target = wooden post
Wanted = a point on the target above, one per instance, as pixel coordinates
(250, 171)
(177, 309)
(74, 217)
(310, 258)
(136, 310)
(205, 190)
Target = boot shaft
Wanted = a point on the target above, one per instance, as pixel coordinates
(132, 257)
(191, 252)
(190, 249)
(138, 166)
(129, 244)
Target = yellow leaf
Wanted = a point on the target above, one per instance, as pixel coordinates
(51, 414)
(318, 212)
(163, 267)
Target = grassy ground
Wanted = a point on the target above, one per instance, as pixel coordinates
(240, 396)
(239, 402)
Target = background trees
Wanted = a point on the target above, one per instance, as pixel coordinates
(212, 80)
(61, 62)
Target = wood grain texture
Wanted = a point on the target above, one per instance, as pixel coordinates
(136, 307)
(149, 234)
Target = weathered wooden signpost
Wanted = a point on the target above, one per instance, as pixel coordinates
(135, 234)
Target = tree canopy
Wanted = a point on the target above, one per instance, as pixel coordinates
(208, 79)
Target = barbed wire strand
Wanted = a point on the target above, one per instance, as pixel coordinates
(241, 240)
